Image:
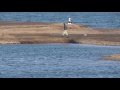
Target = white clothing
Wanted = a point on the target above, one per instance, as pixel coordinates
(65, 32)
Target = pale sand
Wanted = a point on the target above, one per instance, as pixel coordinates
(34, 32)
(40, 32)
(112, 57)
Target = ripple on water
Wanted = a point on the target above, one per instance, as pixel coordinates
(57, 60)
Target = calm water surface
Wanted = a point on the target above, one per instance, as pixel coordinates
(90, 19)
(58, 61)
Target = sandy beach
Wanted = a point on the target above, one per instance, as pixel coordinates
(35, 32)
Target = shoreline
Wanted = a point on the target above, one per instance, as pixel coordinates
(115, 57)
(34, 32)
(40, 33)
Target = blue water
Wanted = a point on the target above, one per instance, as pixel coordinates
(90, 19)
(60, 60)
(57, 61)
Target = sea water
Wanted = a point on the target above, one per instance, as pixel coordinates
(90, 19)
(57, 61)
(60, 60)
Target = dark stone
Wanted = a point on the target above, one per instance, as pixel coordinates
(72, 41)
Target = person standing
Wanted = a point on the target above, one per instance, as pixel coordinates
(65, 30)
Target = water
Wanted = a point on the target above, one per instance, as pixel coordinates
(60, 60)
(57, 61)
(90, 19)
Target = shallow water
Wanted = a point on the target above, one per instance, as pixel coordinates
(57, 61)
(90, 19)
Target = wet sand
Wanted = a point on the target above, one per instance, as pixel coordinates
(38, 32)
(115, 57)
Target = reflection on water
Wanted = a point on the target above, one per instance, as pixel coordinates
(57, 60)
